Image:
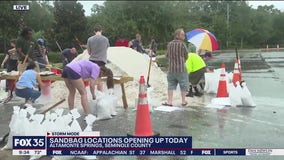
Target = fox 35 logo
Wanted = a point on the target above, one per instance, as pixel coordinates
(31, 142)
(21, 7)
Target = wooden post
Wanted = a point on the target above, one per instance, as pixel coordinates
(124, 100)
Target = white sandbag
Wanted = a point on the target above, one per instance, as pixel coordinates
(230, 77)
(19, 119)
(235, 94)
(48, 124)
(93, 106)
(75, 126)
(3, 94)
(2, 85)
(246, 96)
(22, 121)
(60, 124)
(90, 119)
(114, 100)
(117, 91)
(211, 82)
(30, 109)
(36, 130)
(104, 106)
(67, 119)
(75, 114)
(15, 116)
(59, 112)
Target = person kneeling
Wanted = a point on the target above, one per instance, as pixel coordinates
(196, 68)
(27, 82)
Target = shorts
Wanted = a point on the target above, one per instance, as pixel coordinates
(177, 78)
(196, 76)
(70, 74)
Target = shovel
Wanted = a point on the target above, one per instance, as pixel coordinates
(149, 69)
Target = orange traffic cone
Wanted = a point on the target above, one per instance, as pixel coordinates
(143, 126)
(222, 87)
(236, 75)
(240, 68)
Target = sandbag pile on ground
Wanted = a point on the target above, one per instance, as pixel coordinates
(239, 95)
(24, 122)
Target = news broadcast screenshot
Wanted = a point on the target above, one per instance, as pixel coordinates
(141, 80)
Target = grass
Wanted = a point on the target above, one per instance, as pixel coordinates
(163, 63)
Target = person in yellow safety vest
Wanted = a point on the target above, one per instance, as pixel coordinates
(196, 68)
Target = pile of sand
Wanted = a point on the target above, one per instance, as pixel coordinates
(126, 61)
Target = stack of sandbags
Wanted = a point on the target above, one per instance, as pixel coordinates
(104, 107)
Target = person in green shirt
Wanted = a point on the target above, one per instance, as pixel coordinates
(196, 68)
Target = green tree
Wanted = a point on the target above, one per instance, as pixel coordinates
(39, 17)
(69, 23)
(126, 18)
(261, 26)
(11, 21)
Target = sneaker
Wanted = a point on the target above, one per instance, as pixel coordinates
(189, 94)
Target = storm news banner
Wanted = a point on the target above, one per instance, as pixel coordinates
(90, 143)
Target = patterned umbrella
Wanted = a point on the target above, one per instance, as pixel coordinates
(202, 39)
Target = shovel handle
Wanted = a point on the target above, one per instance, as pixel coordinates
(149, 69)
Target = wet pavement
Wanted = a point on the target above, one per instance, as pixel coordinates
(232, 127)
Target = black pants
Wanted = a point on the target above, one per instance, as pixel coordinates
(104, 71)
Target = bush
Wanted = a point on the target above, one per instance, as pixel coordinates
(163, 62)
(161, 52)
(54, 57)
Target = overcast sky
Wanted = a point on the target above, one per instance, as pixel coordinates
(277, 4)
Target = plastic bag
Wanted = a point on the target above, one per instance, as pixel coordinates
(104, 106)
(246, 96)
(12, 133)
(235, 94)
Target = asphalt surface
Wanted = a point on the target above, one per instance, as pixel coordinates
(232, 127)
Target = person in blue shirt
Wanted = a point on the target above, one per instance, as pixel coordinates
(27, 81)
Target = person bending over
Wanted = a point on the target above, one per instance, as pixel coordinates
(68, 54)
(74, 74)
(27, 82)
(196, 68)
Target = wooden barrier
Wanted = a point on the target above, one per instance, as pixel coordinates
(116, 79)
